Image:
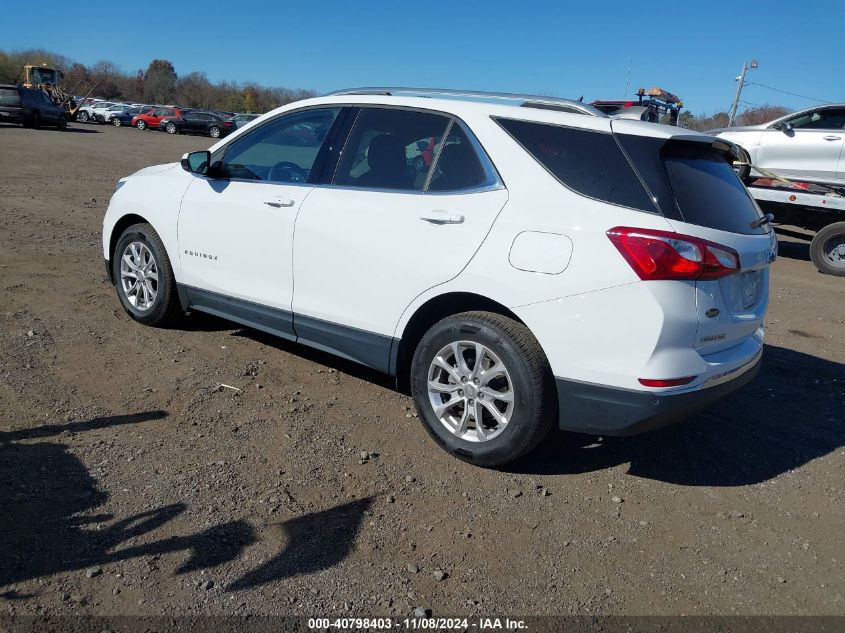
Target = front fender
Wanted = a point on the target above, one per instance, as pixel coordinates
(154, 195)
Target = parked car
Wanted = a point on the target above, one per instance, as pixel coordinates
(124, 117)
(536, 275)
(242, 119)
(105, 116)
(87, 112)
(152, 118)
(29, 107)
(806, 145)
(197, 122)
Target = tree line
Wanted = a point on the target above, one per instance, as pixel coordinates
(158, 84)
(751, 116)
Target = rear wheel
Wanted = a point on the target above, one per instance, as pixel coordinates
(141, 125)
(116, 122)
(483, 387)
(170, 128)
(144, 277)
(62, 122)
(827, 250)
(214, 131)
(35, 120)
(83, 117)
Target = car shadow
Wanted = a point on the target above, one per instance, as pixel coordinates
(787, 416)
(326, 359)
(791, 248)
(45, 128)
(44, 489)
(314, 542)
(81, 130)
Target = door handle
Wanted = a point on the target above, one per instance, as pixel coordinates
(832, 138)
(277, 203)
(443, 217)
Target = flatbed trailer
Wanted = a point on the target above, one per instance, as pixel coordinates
(813, 207)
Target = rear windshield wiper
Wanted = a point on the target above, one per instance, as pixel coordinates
(766, 219)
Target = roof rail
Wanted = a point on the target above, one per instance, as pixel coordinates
(527, 101)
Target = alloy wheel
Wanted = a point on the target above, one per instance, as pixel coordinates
(470, 391)
(139, 276)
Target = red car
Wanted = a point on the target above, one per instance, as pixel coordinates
(151, 118)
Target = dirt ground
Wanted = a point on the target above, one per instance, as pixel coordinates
(131, 484)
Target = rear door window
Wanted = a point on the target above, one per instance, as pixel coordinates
(458, 166)
(586, 161)
(391, 148)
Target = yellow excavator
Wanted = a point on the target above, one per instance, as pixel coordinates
(48, 80)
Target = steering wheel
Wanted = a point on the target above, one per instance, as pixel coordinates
(287, 172)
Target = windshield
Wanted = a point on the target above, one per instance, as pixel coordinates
(45, 76)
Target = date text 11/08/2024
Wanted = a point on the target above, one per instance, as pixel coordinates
(426, 623)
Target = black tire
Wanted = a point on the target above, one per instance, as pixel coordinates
(214, 131)
(165, 309)
(115, 121)
(62, 122)
(82, 117)
(141, 125)
(170, 128)
(35, 120)
(826, 250)
(535, 400)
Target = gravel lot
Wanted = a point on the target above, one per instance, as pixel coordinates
(132, 483)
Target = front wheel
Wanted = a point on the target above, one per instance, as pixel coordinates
(214, 131)
(827, 250)
(144, 277)
(82, 117)
(483, 388)
(170, 128)
(116, 122)
(62, 122)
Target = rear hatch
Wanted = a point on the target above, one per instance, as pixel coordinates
(691, 179)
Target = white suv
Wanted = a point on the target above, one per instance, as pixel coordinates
(515, 261)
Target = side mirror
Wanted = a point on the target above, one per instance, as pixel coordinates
(784, 127)
(196, 162)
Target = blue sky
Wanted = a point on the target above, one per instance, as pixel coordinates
(692, 49)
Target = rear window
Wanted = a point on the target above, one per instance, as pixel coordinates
(691, 182)
(588, 162)
(708, 191)
(9, 97)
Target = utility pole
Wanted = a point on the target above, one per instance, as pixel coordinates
(741, 79)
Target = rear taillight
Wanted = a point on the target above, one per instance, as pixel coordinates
(227, 124)
(665, 255)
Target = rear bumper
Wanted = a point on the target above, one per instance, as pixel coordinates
(590, 408)
(11, 115)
